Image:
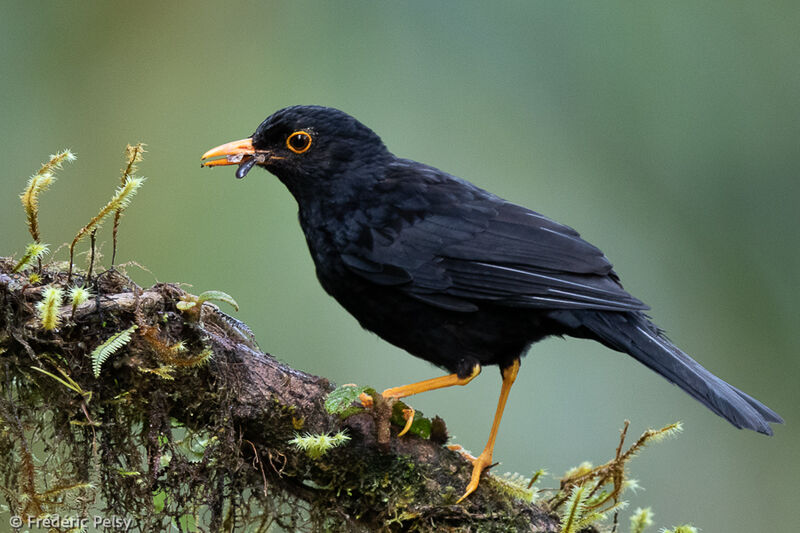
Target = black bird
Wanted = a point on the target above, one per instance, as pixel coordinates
(452, 273)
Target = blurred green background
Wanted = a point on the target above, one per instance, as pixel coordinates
(667, 133)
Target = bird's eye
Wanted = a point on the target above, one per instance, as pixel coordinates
(298, 142)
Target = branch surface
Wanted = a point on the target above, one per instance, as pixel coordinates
(246, 405)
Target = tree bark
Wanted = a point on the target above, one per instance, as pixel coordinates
(163, 441)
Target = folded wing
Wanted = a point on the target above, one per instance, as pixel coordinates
(456, 246)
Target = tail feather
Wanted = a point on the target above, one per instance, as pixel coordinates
(634, 334)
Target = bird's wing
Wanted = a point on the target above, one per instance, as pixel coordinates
(453, 245)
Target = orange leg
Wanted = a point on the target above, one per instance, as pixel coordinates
(420, 386)
(485, 458)
(430, 384)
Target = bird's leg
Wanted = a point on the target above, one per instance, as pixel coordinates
(509, 374)
(395, 393)
(430, 384)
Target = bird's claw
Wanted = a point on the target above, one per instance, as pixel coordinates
(366, 400)
(461, 451)
(408, 414)
(479, 464)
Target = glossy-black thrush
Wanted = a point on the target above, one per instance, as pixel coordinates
(452, 273)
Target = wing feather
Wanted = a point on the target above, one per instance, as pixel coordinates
(456, 245)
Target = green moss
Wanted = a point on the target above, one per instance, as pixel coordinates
(344, 400)
(315, 446)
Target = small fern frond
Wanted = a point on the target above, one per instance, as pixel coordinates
(109, 347)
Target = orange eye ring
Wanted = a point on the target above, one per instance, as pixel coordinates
(299, 142)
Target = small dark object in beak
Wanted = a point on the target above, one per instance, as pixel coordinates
(245, 166)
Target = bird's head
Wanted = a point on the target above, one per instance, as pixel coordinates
(306, 147)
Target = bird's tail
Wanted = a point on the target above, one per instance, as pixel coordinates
(633, 333)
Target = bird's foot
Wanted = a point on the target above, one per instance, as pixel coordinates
(479, 464)
(408, 414)
(366, 400)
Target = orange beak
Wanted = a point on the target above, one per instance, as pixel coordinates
(234, 153)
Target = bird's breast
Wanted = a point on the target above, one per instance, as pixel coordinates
(325, 241)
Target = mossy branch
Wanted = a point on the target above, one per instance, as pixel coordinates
(190, 415)
(245, 411)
